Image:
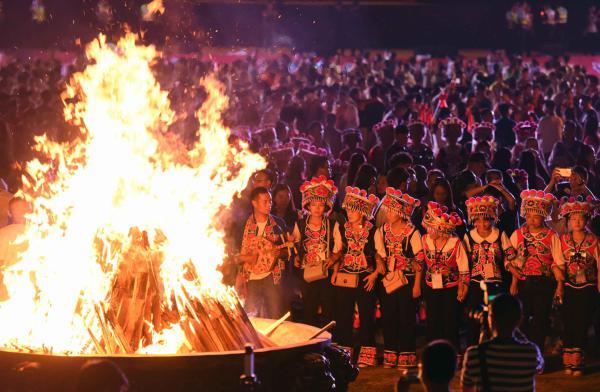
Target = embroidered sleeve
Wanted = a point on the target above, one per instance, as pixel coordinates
(417, 246)
(296, 233)
(514, 242)
(337, 238)
(510, 252)
(467, 244)
(380, 243)
(463, 262)
(557, 255)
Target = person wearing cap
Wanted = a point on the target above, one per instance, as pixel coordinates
(538, 258)
(489, 248)
(319, 243)
(447, 273)
(580, 251)
(399, 248)
(355, 275)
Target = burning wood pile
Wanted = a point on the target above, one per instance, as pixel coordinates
(133, 310)
(90, 284)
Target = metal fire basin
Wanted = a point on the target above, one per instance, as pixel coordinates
(211, 371)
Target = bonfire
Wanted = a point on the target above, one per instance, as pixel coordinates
(124, 241)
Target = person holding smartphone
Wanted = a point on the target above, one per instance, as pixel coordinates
(574, 186)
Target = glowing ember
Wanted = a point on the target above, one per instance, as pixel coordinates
(152, 8)
(125, 210)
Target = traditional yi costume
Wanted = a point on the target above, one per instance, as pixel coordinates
(581, 284)
(487, 255)
(538, 254)
(263, 276)
(357, 263)
(316, 245)
(403, 253)
(446, 268)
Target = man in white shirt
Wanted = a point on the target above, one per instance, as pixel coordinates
(5, 197)
(10, 243)
(549, 130)
(261, 259)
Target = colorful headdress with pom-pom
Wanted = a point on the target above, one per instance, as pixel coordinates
(415, 123)
(571, 205)
(453, 121)
(390, 123)
(358, 200)
(537, 202)
(526, 127)
(399, 203)
(483, 130)
(318, 189)
(310, 150)
(482, 207)
(438, 220)
(519, 176)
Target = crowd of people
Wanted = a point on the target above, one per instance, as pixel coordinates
(412, 190)
(405, 190)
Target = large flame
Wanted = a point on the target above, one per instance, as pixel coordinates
(124, 173)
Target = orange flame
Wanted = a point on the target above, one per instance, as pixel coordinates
(152, 8)
(124, 171)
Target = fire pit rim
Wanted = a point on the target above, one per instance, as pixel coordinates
(325, 337)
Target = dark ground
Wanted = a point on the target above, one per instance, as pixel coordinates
(380, 379)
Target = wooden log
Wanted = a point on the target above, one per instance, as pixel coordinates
(271, 328)
(325, 328)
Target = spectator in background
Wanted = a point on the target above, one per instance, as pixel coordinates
(374, 109)
(10, 247)
(400, 144)
(283, 206)
(5, 197)
(333, 136)
(351, 139)
(565, 152)
(295, 177)
(346, 113)
(528, 162)
(438, 365)
(507, 362)
(356, 161)
(504, 134)
(549, 130)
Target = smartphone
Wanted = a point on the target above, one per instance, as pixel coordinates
(564, 172)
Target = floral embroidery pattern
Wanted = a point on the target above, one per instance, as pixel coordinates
(535, 252)
(315, 244)
(394, 245)
(486, 253)
(444, 263)
(580, 260)
(251, 240)
(355, 259)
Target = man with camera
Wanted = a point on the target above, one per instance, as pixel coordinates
(507, 362)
